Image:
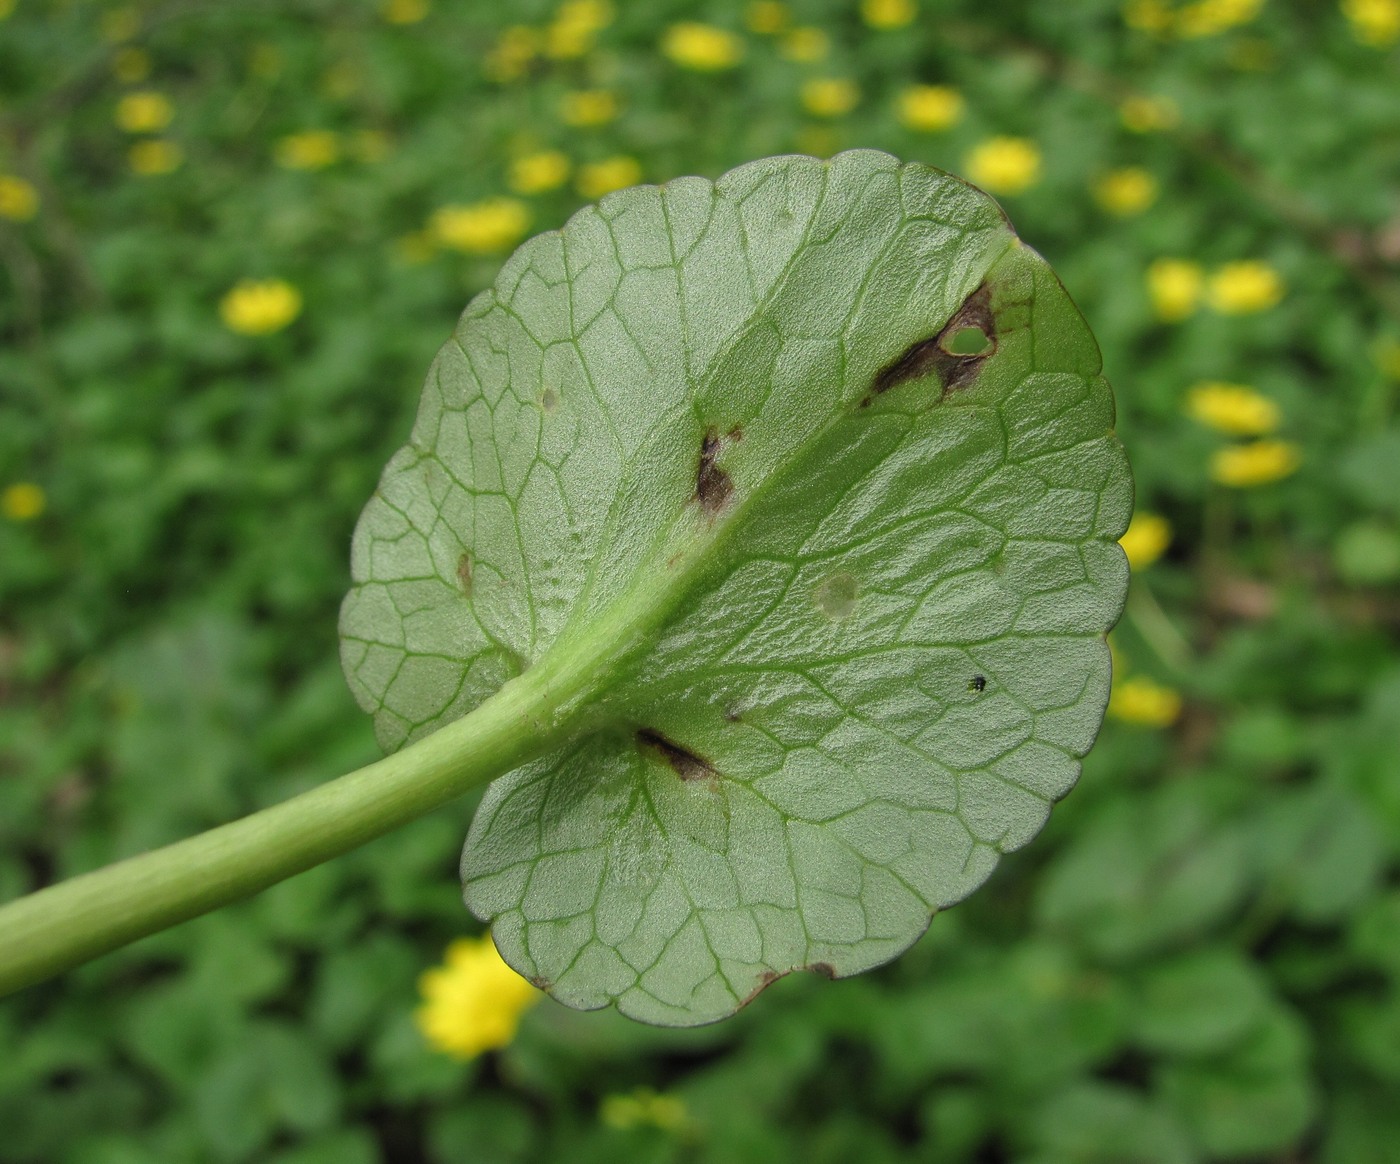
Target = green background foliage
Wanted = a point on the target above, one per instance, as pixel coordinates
(1197, 961)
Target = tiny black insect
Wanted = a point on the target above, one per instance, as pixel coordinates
(977, 683)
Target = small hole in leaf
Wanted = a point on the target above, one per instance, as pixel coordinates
(967, 341)
(836, 595)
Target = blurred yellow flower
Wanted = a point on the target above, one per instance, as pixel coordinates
(1236, 409)
(1147, 537)
(575, 27)
(1386, 353)
(805, 45)
(830, 96)
(258, 307)
(404, 11)
(1127, 191)
(119, 24)
(1141, 701)
(481, 228)
(766, 17)
(155, 156)
(23, 501)
(1212, 17)
(1004, 165)
(644, 1108)
(512, 54)
(599, 178)
(702, 47)
(144, 111)
(582, 108)
(1147, 15)
(1255, 463)
(19, 201)
(1244, 287)
(130, 65)
(473, 1001)
(1146, 114)
(313, 149)
(888, 13)
(1175, 287)
(413, 249)
(6, 7)
(1373, 22)
(536, 173)
(370, 145)
(929, 108)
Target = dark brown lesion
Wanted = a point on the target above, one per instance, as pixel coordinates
(939, 355)
(685, 763)
(712, 484)
(464, 573)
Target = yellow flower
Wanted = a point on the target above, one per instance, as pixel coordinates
(413, 249)
(1146, 539)
(473, 1002)
(536, 173)
(1004, 165)
(599, 178)
(512, 54)
(1212, 17)
(22, 501)
(1386, 353)
(584, 108)
(805, 45)
(1146, 114)
(404, 11)
(1373, 22)
(260, 307)
(130, 65)
(1175, 287)
(155, 156)
(888, 13)
(644, 1108)
(1244, 287)
(929, 108)
(1141, 701)
(1147, 15)
(702, 47)
(829, 96)
(119, 24)
(1236, 409)
(482, 228)
(1125, 192)
(575, 28)
(144, 111)
(370, 145)
(19, 201)
(313, 149)
(766, 17)
(1255, 463)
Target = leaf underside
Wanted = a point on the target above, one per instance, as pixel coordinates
(817, 462)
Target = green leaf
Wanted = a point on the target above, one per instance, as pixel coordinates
(819, 605)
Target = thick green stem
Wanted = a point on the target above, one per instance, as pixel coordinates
(64, 925)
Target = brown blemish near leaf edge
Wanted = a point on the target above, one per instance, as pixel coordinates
(686, 764)
(933, 355)
(712, 484)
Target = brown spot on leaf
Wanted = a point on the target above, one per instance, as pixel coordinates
(825, 969)
(943, 355)
(735, 434)
(686, 764)
(540, 982)
(464, 573)
(549, 400)
(765, 980)
(712, 484)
